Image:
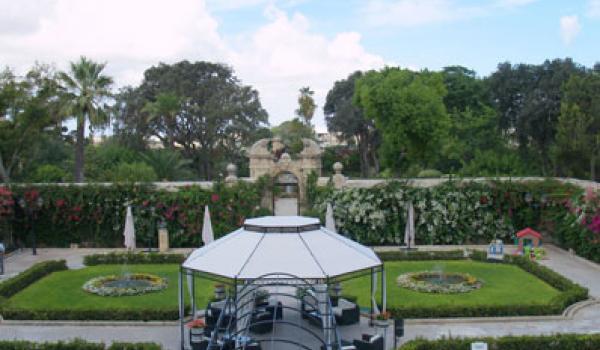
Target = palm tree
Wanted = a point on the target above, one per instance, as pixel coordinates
(167, 164)
(85, 90)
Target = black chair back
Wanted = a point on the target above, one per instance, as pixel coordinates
(398, 327)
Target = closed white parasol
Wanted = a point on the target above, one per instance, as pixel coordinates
(129, 232)
(207, 231)
(329, 220)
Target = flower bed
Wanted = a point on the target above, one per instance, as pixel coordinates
(125, 285)
(439, 282)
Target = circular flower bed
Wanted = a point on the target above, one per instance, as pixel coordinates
(122, 285)
(439, 282)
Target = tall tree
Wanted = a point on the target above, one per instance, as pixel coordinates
(200, 108)
(306, 105)
(528, 99)
(27, 107)
(342, 116)
(577, 145)
(85, 90)
(291, 133)
(408, 109)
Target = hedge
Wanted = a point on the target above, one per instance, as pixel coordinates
(117, 258)
(94, 215)
(419, 255)
(16, 284)
(77, 344)
(542, 342)
(570, 292)
(11, 313)
(454, 212)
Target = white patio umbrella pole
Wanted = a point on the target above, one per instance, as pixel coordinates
(409, 230)
(181, 308)
(374, 291)
(129, 231)
(383, 289)
(329, 220)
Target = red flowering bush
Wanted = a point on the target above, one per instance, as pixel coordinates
(6, 203)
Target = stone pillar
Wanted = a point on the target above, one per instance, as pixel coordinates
(231, 174)
(339, 180)
(163, 238)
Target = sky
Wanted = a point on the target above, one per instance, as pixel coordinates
(279, 46)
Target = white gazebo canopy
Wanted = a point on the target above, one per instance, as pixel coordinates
(292, 245)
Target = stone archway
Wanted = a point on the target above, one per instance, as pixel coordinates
(268, 157)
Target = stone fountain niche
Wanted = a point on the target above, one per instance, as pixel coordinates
(289, 172)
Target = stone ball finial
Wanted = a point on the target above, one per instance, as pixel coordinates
(338, 167)
(231, 173)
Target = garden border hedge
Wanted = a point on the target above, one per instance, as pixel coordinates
(570, 291)
(36, 272)
(541, 342)
(77, 344)
(118, 258)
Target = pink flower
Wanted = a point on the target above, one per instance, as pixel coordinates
(214, 197)
(594, 226)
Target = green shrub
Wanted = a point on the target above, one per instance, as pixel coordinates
(16, 284)
(429, 173)
(49, 173)
(132, 172)
(542, 342)
(116, 258)
(76, 344)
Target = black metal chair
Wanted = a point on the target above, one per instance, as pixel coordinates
(374, 342)
(262, 322)
(346, 312)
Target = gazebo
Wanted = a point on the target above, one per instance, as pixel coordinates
(286, 249)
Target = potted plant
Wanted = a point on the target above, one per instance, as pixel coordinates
(196, 328)
(382, 319)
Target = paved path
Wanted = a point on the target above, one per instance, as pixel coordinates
(585, 320)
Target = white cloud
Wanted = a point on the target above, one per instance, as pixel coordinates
(569, 28)
(593, 8)
(514, 3)
(278, 58)
(284, 55)
(407, 13)
(411, 13)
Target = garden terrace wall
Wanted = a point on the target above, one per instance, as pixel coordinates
(94, 215)
(543, 342)
(115, 258)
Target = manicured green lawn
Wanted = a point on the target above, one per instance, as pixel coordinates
(503, 285)
(62, 290)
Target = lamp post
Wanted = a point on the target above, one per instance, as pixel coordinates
(29, 211)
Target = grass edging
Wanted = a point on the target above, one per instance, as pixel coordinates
(570, 291)
(541, 342)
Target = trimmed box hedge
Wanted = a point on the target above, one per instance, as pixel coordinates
(170, 314)
(570, 291)
(76, 344)
(418, 255)
(544, 342)
(16, 284)
(118, 258)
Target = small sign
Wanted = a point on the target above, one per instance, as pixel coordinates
(479, 346)
(495, 250)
